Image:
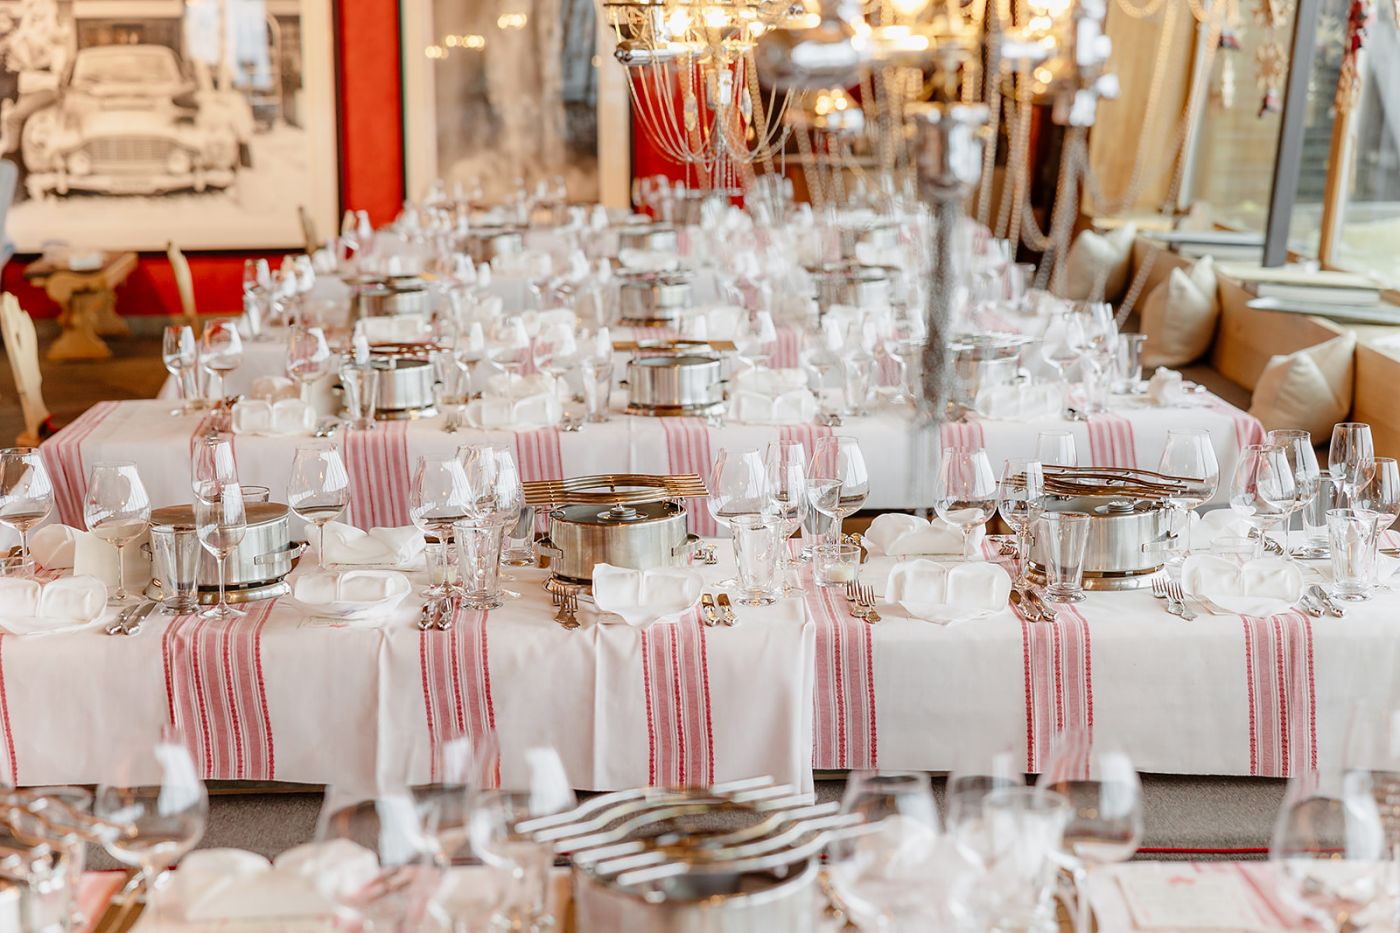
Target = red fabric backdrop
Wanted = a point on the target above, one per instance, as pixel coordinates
(371, 168)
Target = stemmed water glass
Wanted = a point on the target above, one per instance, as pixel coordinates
(221, 521)
(1351, 459)
(965, 492)
(437, 499)
(155, 821)
(319, 488)
(220, 351)
(738, 485)
(1021, 500)
(1380, 495)
(1056, 448)
(1298, 448)
(116, 509)
(837, 480)
(309, 358)
(1190, 455)
(26, 494)
(1263, 489)
(495, 499)
(181, 357)
(213, 461)
(786, 463)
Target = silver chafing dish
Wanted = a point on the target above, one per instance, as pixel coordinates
(653, 299)
(388, 297)
(626, 520)
(257, 568)
(735, 858)
(686, 380)
(661, 238)
(485, 243)
(983, 360)
(405, 388)
(849, 283)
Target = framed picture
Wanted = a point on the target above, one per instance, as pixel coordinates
(207, 123)
(499, 90)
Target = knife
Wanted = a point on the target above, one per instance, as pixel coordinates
(133, 621)
(707, 608)
(726, 610)
(1046, 612)
(1027, 606)
(118, 626)
(1320, 593)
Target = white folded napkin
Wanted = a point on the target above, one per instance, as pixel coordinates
(722, 322)
(897, 535)
(398, 328)
(352, 594)
(1259, 587)
(385, 548)
(334, 868)
(53, 546)
(1019, 401)
(772, 396)
(28, 607)
(1209, 526)
(273, 388)
(540, 322)
(285, 416)
(94, 557)
(939, 593)
(505, 386)
(1165, 388)
(216, 885)
(648, 260)
(642, 597)
(490, 413)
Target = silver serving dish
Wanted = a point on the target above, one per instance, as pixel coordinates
(389, 297)
(983, 360)
(661, 238)
(486, 243)
(405, 388)
(641, 536)
(851, 284)
(257, 568)
(683, 383)
(1129, 539)
(653, 298)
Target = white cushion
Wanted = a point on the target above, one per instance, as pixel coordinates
(1179, 316)
(1309, 390)
(1098, 264)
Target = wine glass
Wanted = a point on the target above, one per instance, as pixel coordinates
(1351, 459)
(965, 492)
(157, 807)
(883, 875)
(837, 480)
(1327, 844)
(510, 350)
(738, 485)
(220, 351)
(1380, 495)
(26, 494)
(309, 358)
(786, 464)
(180, 356)
(1105, 797)
(1021, 500)
(495, 502)
(398, 830)
(213, 461)
(116, 509)
(437, 499)
(221, 521)
(1298, 448)
(1190, 455)
(1263, 489)
(319, 488)
(1056, 448)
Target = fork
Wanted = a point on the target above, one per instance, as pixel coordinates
(1175, 592)
(446, 612)
(1160, 590)
(853, 597)
(865, 593)
(567, 616)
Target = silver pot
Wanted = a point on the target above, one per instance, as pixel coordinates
(642, 537)
(484, 244)
(980, 361)
(1129, 540)
(405, 388)
(661, 238)
(675, 384)
(653, 297)
(256, 568)
(881, 236)
(851, 284)
(393, 296)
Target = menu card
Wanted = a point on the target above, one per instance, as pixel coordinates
(1182, 897)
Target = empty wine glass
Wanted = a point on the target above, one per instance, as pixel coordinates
(221, 521)
(495, 502)
(437, 499)
(965, 493)
(738, 485)
(1298, 448)
(309, 358)
(1381, 495)
(1263, 489)
(181, 357)
(220, 351)
(319, 488)
(1056, 448)
(116, 509)
(213, 461)
(157, 807)
(1351, 459)
(837, 480)
(1190, 455)
(1021, 500)
(786, 463)
(26, 495)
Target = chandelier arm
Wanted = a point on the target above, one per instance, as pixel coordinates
(993, 99)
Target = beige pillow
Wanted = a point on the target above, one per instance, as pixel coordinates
(1179, 316)
(1097, 265)
(1309, 390)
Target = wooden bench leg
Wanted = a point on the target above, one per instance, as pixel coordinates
(79, 340)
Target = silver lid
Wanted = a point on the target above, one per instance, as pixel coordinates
(181, 517)
(632, 514)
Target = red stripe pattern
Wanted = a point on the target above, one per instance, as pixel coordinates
(688, 451)
(1111, 441)
(805, 434)
(962, 435)
(216, 694)
(1248, 430)
(787, 352)
(676, 684)
(844, 733)
(1059, 682)
(380, 473)
(537, 455)
(456, 671)
(7, 752)
(1278, 657)
(63, 457)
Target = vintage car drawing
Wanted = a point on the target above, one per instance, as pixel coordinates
(129, 121)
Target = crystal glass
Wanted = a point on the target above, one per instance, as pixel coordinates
(493, 484)
(157, 799)
(511, 350)
(1129, 364)
(116, 509)
(221, 522)
(175, 556)
(1351, 459)
(1314, 516)
(1380, 495)
(1351, 540)
(837, 480)
(437, 500)
(738, 485)
(213, 460)
(1298, 448)
(26, 495)
(1056, 448)
(181, 357)
(319, 488)
(361, 394)
(1263, 489)
(479, 563)
(1016, 834)
(220, 352)
(836, 564)
(453, 383)
(54, 817)
(786, 465)
(883, 875)
(597, 389)
(1190, 454)
(1021, 501)
(1327, 844)
(965, 493)
(1065, 535)
(758, 549)
(309, 358)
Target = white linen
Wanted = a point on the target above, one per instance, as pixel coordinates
(1019, 401)
(29, 607)
(53, 546)
(285, 416)
(541, 322)
(1166, 388)
(220, 885)
(938, 592)
(1259, 587)
(772, 396)
(273, 388)
(386, 548)
(354, 594)
(495, 413)
(642, 597)
(897, 535)
(397, 328)
(94, 557)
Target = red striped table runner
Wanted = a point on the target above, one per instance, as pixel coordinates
(63, 457)
(676, 686)
(1278, 658)
(1111, 441)
(688, 451)
(456, 674)
(1057, 659)
(844, 730)
(380, 473)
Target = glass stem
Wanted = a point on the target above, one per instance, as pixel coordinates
(431, 561)
(24, 549)
(967, 541)
(121, 573)
(223, 600)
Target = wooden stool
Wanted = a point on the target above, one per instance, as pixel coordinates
(87, 300)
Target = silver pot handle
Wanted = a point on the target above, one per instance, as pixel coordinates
(686, 547)
(544, 547)
(291, 552)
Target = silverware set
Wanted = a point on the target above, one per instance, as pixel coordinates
(327, 427)
(437, 613)
(565, 601)
(717, 610)
(1170, 590)
(1318, 598)
(861, 596)
(1032, 606)
(706, 554)
(128, 621)
(571, 422)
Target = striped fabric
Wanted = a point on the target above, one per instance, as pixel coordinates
(961, 435)
(688, 451)
(1059, 683)
(456, 673)
(380, 474)
(676, 685)
(1278, 653)
(844, 733)
(1111, 441)
(9, 763)
(63, 457)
